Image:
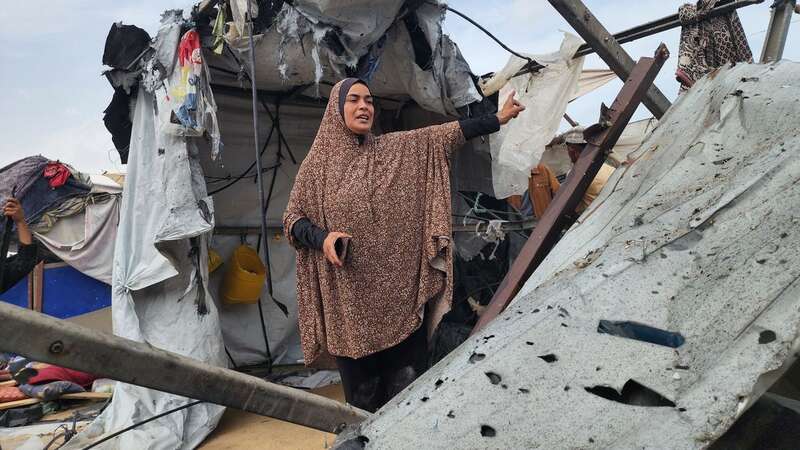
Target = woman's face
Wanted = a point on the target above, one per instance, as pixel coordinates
(358, 109)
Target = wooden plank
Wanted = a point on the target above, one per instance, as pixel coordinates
(87, 396)
(19, 403)
(556, 216)
(38, 286)
(47, 339)
(608, 48)
(95, 396)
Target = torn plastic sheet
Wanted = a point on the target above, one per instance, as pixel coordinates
(722, 283)
(358, 23)
(191, 82)
(166, 47)
(307, 48)
(519, 145)
(155, 290)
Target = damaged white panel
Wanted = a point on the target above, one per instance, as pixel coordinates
(697, 236)
(519, 145)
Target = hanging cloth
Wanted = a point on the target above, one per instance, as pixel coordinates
(708, 42)
(57, 174)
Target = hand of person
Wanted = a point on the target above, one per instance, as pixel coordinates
(510, 110)
(13, 209)
(329, 247)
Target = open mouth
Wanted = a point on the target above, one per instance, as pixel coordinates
(363, 117)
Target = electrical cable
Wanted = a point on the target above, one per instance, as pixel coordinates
(138, 424)
(477, 25)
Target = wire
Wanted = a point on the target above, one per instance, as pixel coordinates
(481, 219)
(476, 24)
(138, 424)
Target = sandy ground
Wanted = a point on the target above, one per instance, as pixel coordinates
(242, 430)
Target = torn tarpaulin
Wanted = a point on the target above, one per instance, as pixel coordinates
(166, 45)
(184, 92)
(190, 96)
(316, 41)
(124, 44)
(34, 190)
(520, 144)
(117, 119)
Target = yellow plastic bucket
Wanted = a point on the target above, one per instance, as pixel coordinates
(244, 277)
(214, 261)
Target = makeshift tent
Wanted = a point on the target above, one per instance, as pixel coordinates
(185, 194)
(191, 183)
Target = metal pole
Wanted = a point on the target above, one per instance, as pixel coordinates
(259, 178)
(555, 218)
(777, 31)
(47, 339)
(598, 37)
(651, 28)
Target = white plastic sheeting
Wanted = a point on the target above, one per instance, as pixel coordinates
(85, 240)
(591, 79)
(697, 235)
(519, 145)
(155, 291)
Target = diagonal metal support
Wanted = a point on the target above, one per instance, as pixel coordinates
(46, 339)
(607, 47)
(556, 217)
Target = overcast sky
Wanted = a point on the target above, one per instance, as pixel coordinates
(54, 95)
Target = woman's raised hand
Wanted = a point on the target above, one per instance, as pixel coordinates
(510, 110)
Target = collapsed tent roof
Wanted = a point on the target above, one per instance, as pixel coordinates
(396, 45)
(662, 316)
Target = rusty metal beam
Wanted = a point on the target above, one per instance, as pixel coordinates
(608, 48)
(650, 28)
(46, 339)
(556, 217)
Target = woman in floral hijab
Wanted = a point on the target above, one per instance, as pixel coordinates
(390, 196)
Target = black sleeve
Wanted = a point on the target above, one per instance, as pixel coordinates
(19, 265)
(308, 234)
(479, 126)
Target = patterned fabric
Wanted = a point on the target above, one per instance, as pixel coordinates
(56, 174)
(11, 394)
(50, 391)
(392, 194)
(708, 42)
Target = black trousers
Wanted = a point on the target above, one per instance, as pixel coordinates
(370, 382)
